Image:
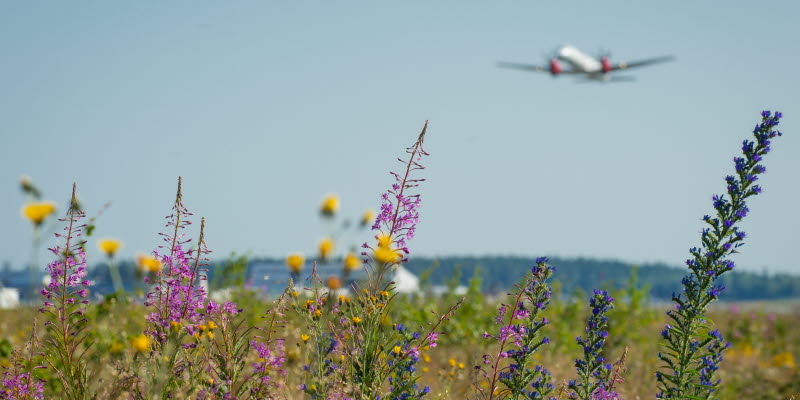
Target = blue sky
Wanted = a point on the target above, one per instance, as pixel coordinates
(263, 107)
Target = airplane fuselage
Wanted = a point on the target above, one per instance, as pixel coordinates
(580, 61)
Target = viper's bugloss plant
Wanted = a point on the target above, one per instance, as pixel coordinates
(593, 370)
(520, 326)
(65, 308)
(692, 351)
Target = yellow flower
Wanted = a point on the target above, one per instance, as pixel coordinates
(317, 313)
(367, 218)
(210, 334)
(426, 358)
(212, 325)
(460, 365)
(305, 337)
(148, 263)
(176, 326)
(141, 343)
(396, 350)
(37, 212)
(334, 282)
(295, 293)
(384, 293)
(351, 262)
(452, 362)
(330, 204)
(109, 246)
(356, 320)
(784, 359)
(210, 381)
(295, 262)
(386, 255)
(384, 240)
(325, 248)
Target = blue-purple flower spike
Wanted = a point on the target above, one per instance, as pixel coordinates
(593, 369)
(688, 372)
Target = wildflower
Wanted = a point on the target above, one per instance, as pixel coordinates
(141, 343)
(334, 283)
(592, 369)
(109, 246)
(304, 337)
(396, 350)
(212, 325)
(330, 204)
(325, 248)
(351, 262)
(356, 320)
(148, 263)
(367, 218)
(295, 262)
(37, 212)
(386, 255)
(690, 374)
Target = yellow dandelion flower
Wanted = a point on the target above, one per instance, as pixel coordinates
(295, 262)
(109, 246)
(305, 337)
(460, 365)
(329, 206)
(396, 350)
(141, 343)
(384, 240)
(351, 262)
(39, 211)
(452, 362)
(325, 248)
(356, 320)
(334, 282)
(367, 218)
(785, 360)
(148, 263)
(386, 255)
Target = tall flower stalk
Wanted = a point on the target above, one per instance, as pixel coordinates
(522, 378)
(65, 307)
(398, 218)
(691, 348)
(593, 370)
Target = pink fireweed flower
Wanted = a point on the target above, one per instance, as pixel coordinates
(396, 223)
(176, 296)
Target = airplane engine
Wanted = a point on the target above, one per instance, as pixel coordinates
(555, 67)
(606, 65)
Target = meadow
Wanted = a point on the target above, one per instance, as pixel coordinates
(346, 338)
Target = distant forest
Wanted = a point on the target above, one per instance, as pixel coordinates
(499, 273)
(495, 274)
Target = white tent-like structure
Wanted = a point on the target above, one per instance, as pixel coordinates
(404, 280)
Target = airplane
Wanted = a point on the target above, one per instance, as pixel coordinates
(583, 65)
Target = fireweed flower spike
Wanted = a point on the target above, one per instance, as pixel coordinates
(688, 371)
(522, 378)
(593, 370)
(65, 307)
(175, 295)
(397, 220)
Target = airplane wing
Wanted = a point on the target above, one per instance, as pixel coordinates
(642, 63)
(531, 67)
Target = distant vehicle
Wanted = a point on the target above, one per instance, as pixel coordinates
(580, 64)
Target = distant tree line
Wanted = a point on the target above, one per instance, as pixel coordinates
(499, 273)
